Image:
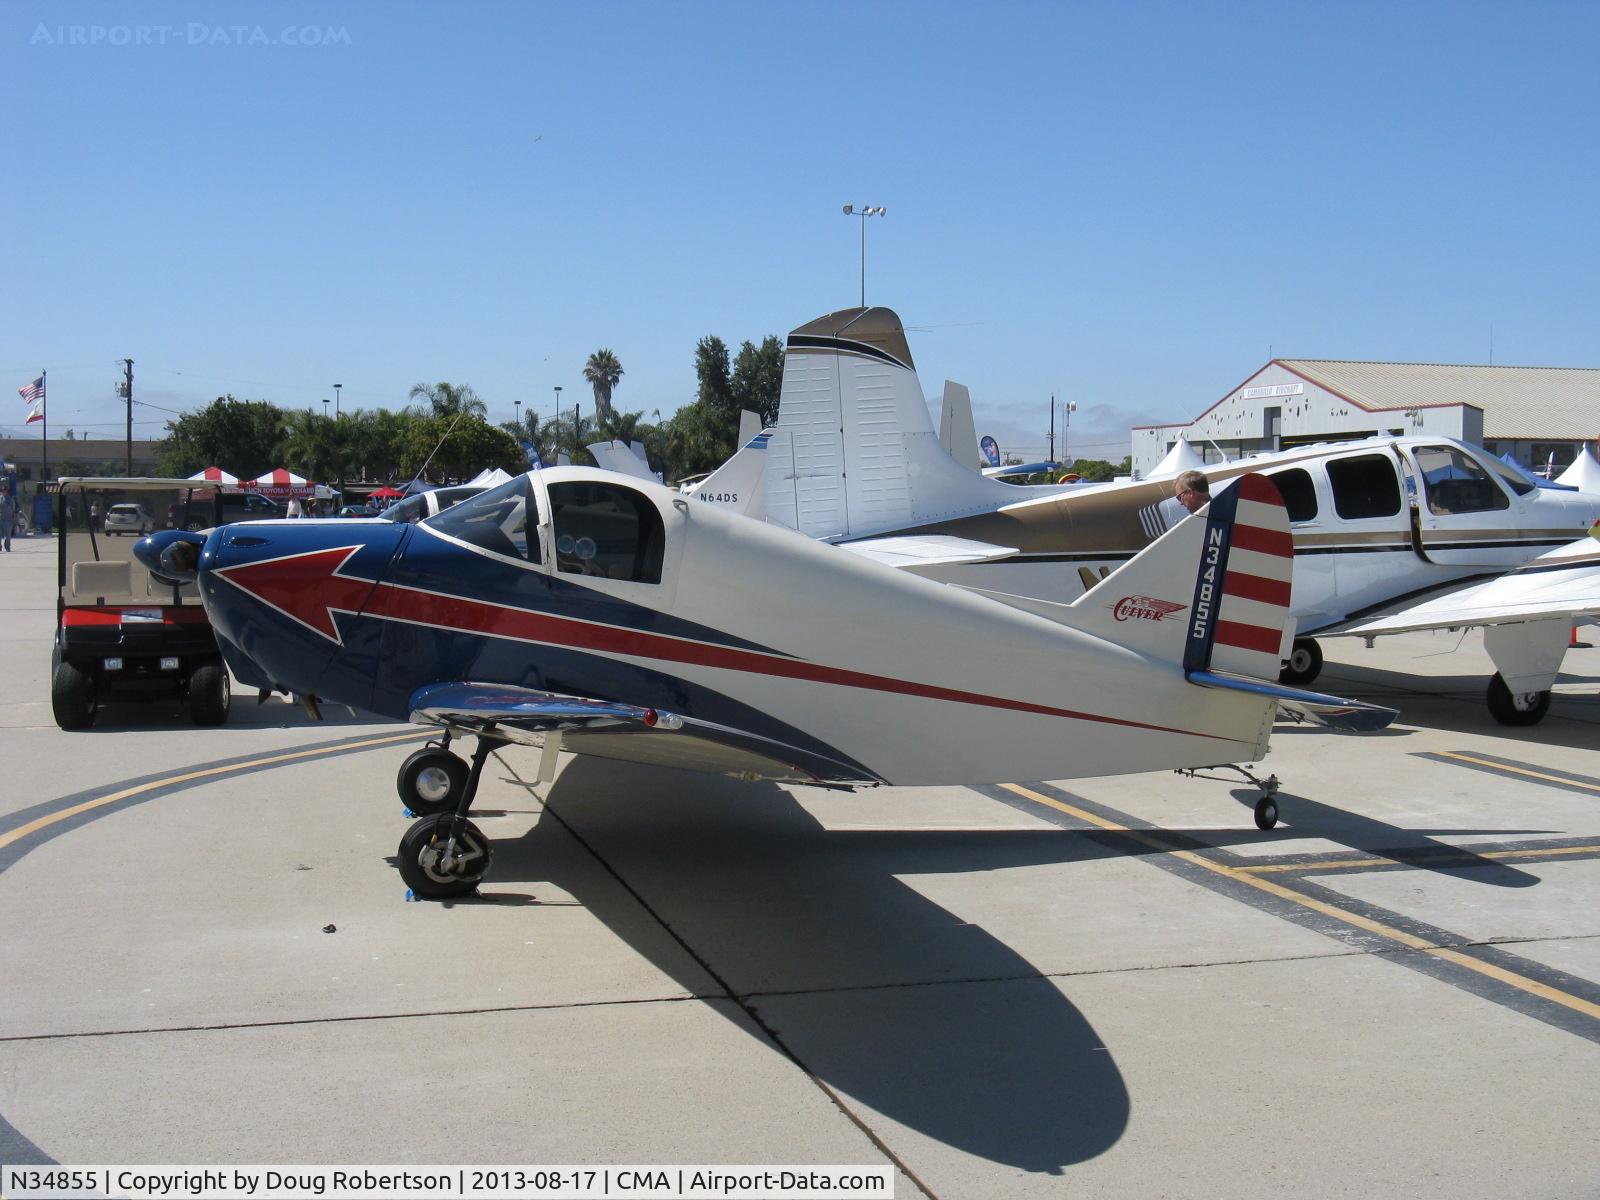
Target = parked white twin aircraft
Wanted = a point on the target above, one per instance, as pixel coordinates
(1390, 534)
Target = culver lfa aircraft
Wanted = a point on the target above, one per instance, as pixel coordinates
(1380, 525)
(574, 609)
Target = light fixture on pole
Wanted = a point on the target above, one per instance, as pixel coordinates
(1068, 409)
(518, 403)
(324, 408)
(555, 445)
(870, 210)
(336, 388)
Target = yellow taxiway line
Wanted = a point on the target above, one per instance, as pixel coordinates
(1242, 875)
(44, 822)
(1429, 860)
(1461, 756)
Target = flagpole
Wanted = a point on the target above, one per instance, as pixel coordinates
(44, 439)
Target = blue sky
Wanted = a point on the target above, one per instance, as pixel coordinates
(1127, 205)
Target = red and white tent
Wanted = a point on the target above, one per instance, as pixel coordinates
(281, 484)
(215, 475)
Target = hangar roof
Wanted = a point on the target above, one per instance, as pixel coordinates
(1559, 403)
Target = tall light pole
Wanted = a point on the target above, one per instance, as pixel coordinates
(336, 388)
(1067, 409)
(519, 417)
(555, 445)
(864, 212)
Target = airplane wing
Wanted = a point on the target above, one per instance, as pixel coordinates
(606, 729)
(1562, 584)
(927, 551)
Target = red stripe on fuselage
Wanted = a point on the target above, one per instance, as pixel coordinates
(394, 602)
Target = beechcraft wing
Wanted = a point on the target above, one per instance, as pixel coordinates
(927, 550)
(607, 729)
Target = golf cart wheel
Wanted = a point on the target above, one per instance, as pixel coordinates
(433, 867)
(73, 697)
(1303, 664)
(1516, 708)
(209, 694)
(431, 780)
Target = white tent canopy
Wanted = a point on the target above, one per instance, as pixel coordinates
(1583, 474)
(215, 475)
(490, 478)
(1182, 457)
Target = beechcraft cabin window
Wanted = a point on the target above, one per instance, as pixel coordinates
(606, 531)
(1364, 486)
(1456, 483)
(1298, 492)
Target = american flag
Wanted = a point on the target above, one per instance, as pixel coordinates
(34, 391)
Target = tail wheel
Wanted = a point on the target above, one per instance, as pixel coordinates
(431, 781)
(209, 694)
(74, 697)
(1303, 664)
(1516, 708)
(443, 857)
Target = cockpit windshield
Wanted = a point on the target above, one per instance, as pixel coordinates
(503, 520)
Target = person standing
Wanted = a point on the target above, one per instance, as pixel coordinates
(8, 517)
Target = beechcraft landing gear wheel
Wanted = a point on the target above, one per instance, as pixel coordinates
(430, 781)
(1516, 708)
(443, 857)
(1303, 664)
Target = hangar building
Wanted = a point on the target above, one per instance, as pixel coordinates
(1538, 414)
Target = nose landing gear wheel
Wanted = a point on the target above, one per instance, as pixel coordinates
(431, 781)
(443, 857)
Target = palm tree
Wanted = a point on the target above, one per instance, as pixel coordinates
(448, 400)
(603, 372)
(624, 428)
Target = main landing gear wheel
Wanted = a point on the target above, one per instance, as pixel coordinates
(443, 857)
(209, 694)
(1516, 708)
(431, 781)
(73, 697)
(1266, 813)
(1303, 664)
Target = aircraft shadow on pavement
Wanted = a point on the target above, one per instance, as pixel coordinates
(895, 1002)
(1416, 848)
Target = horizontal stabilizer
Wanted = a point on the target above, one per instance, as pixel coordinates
(1332, 712)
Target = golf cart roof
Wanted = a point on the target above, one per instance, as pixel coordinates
(133, 483)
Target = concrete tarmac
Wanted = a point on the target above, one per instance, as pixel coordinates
(1105, 987)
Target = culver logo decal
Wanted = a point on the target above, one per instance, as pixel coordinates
(1144, 608)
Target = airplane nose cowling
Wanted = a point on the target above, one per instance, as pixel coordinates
(289, 596)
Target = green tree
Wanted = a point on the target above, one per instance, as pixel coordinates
(758, 379)
(242, 436)
(603, 372)
(446, 400)
(443, 448)
(713, 381)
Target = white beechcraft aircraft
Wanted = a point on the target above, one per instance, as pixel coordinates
(1392, 527)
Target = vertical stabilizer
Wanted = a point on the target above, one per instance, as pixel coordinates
(854, 451)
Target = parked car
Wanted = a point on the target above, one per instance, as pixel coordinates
(128, 518)
(236, 507)
(358, 510)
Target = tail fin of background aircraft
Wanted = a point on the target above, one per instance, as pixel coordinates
(957, 433)
(736, 484)
(854, 451)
